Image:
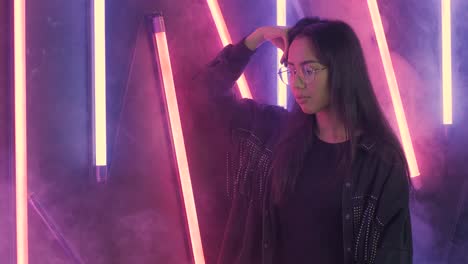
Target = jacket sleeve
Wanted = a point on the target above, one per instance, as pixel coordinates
(212, 95)
(219, 76)
(394, 221)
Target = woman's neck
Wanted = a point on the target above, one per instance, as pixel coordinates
(329, 128)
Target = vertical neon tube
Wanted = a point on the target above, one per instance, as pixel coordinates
(19, 22)
(282, 89)
(393, 86)
(99, 88)
(162, 51)
(446, 62)
(225, 40)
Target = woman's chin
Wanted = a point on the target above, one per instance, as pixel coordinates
(307, 110)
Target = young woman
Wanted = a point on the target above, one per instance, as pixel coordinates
(325, 183)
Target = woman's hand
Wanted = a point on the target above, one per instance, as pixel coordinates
(275, 34)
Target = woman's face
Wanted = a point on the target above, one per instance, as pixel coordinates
(309, 78)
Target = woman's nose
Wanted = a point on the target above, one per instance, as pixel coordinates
(297, 82)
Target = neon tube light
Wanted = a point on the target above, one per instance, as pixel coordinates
(177, 137)
(393, 86)
(282, 92)
(446, 62)
(20, 132)
(225, 40)
(99, 88)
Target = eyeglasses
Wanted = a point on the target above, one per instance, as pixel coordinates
(308, 72)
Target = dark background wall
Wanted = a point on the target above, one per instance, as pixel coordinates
(137, 216)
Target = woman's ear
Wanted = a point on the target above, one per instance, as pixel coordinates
(284, 58)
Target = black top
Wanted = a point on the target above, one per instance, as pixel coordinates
(310, 221)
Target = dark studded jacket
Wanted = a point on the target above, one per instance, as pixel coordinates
(375, 195)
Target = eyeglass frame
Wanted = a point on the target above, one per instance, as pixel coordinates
(284, 68)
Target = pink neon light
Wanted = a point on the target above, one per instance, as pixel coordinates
(178, 140)
(393, 86)
(99, 81)
(20, 133)
(282, 92)
(225, 40)
(446, 62)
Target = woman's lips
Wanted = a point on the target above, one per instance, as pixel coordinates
(302, 99)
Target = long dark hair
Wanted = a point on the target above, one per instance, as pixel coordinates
(352, 98)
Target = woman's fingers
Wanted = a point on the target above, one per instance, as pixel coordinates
(278, 36)
(281, 41)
